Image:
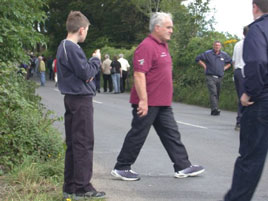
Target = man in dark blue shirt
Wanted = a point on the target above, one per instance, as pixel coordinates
(214, 62)
(254, 122)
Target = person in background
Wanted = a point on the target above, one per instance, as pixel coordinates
(75, 82)
(254, 122)
(238, 64)
(124, 68)
(106, 73)
(116, 74)
(50, 69)
(42, 70)
(54, 67)
(151, 99)
(214, 62)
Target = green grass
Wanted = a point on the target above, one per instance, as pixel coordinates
(34, 181)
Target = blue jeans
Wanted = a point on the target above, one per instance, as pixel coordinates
(253, 151)
(43, 78)
(116, 82)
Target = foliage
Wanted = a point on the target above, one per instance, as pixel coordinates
(26, 127)
(113, 23)
(34, 180)
(19, 20)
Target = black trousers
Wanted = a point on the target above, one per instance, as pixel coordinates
(80, 141)
(162, 119)
(123, 81)
(107, 79)
(239, 86)
(253, 152)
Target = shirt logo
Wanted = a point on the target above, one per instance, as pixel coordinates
(163, 54)
(141, 61)
(222, 59)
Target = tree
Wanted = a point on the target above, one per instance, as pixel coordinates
(116, 23)
(20, 21)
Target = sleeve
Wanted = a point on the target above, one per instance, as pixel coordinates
(255, 58)
(234, 52)
(83, 68)
(143, 58)
(228, 59)
(201, 57)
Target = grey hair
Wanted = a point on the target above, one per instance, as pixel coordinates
(121, 55)
(106, 56)
(157, 19)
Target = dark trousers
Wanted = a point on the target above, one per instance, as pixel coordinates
(80, 141)
(253, 152)
(167, 129)
(107, 79)
(239, 86)
(97, 81)
(123, 81)
(214, 88)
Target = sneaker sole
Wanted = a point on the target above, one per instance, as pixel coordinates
(189, 175)
(123, 178)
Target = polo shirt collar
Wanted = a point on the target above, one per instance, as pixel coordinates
(215, 52)
(153, 38)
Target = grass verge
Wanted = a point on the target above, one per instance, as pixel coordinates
(34, 181)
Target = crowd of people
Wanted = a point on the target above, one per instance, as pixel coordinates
(40, 66)
(151, 99)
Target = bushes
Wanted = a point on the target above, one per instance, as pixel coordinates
(26, 127)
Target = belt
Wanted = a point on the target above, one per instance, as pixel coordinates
(215, 76)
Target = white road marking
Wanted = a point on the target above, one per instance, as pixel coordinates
(188, 124)
(97, 102)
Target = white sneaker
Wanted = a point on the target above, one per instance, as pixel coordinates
(191, 171)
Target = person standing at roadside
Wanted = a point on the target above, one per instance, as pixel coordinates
(254, 122)
(151, 99)
(238, 64)
(214, 62)
(75, 81)
(42, 70)
(116, 74)
(125, 68)
(106, 73)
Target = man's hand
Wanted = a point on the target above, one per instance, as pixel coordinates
(97, 54)
(203, 64)
(245, 100)
(89, 80)
(142, 108)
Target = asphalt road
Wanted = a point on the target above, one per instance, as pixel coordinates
(210, 141)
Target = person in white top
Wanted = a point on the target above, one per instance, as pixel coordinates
(125, 68)
(239, 64)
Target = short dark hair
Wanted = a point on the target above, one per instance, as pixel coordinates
(245, 30)
(262, 4)
(216, 41)
(75, 21)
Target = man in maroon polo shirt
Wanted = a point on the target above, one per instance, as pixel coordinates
(151, 98)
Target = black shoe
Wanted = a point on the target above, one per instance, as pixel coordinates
(237, 127)
(67, 196)
(89, 195)
(215, 112)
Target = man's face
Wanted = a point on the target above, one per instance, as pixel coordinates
(165, 30)
(217, 47)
